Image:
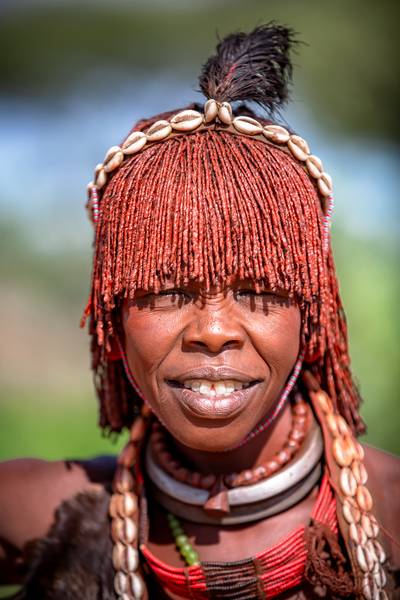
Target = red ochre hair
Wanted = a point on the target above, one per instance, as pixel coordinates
(203, 206)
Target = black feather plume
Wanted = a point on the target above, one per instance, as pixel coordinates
(251, 66)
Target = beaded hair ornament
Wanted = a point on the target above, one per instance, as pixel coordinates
(214, 159)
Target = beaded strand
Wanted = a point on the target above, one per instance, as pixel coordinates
(162, 452)
(185, 548)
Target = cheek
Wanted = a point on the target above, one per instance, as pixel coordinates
(277, 339)
(145, 347)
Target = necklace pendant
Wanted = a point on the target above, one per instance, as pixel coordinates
(217, 504)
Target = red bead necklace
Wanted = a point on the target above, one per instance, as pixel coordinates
(265, 575)
(162, 451)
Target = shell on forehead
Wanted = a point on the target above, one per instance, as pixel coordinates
(190, 120)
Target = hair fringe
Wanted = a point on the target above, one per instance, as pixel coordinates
(202, 207)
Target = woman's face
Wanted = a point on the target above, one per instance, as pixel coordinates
(211, 364)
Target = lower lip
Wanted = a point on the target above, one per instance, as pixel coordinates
(213, 408)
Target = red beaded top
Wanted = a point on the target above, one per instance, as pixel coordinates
(268, 574)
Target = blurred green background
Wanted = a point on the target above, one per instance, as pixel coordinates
(74, 77)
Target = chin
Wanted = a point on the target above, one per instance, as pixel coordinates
(214, 437)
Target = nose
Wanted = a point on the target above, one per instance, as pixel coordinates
(213, 332)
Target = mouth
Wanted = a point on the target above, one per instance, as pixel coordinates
(213, 397)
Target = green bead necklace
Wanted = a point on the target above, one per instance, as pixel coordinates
(185, 548)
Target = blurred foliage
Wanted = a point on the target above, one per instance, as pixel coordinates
(348, 62)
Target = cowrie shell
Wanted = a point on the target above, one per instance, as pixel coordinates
(324, 402)
(113, 159)
(126, 504)
(225, 113)
(379, 575)
(125, 558)
(371, 549)
(121, 583)
(369, 589)
(123, 479)
(348, 483)
(210, 110)
(370, 526)
(342, 451)
(158, 131)
(360, 472)
(298, 147)
(123, 530)
(247, 125)
(358, 451)
(100, 176)
(364, 559)
(325, 185)
(276, 134)
(357, 534)
(332, 424)
(89, 188)
(350, 512)
(375, 526)
(314, 166)
(136, 585)
(134, 142)
(112, 507)
(186, 120)
(343, 428)
(381, 554)
(364, 498)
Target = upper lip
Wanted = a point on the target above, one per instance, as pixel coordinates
(214, 374)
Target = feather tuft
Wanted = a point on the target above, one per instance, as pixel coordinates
(253, 66)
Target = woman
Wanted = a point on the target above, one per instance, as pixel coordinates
(219, 340)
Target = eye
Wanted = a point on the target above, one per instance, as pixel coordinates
(253, 300)
(251, 293)
(169, 298)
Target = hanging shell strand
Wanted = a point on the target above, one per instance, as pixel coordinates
(188, 121)
(124, 513)
(355, 501)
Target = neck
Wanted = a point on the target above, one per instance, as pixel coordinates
(257, 451)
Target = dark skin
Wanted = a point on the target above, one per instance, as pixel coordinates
(169, 339)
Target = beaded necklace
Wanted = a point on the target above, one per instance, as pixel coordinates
(343, 502)
(265, 575)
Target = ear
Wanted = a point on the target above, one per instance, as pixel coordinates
(114, 352)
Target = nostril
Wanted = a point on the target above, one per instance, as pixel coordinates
(214, 345)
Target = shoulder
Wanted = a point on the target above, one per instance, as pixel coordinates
(32, 490)
(384, 484)
(384, 473)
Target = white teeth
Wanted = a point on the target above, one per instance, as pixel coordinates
(220, 388)
(205, 388)
(214, 388)
(195, 386)
(230, 386)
